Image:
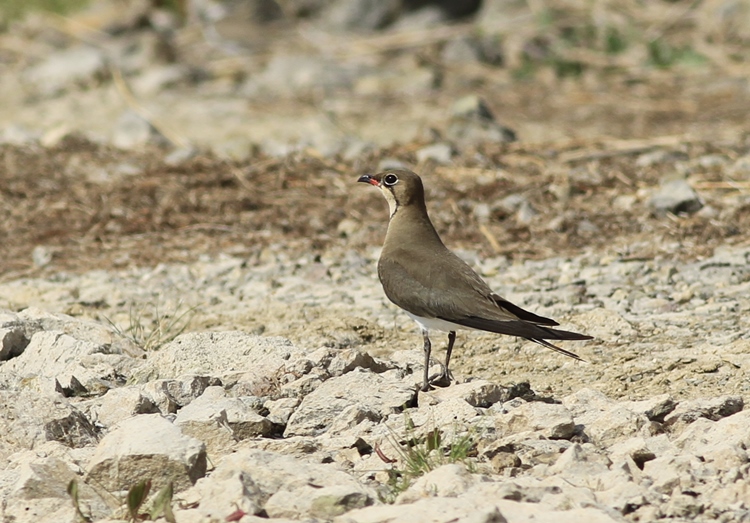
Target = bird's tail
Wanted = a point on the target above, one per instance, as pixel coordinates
(554, 334)
(523, 329)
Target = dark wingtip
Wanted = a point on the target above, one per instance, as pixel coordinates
(555, 348)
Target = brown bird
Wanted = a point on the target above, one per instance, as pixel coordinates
(436, 288)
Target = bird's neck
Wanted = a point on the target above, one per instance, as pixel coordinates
(409, 225)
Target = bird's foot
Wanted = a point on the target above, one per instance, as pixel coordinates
(443, 379)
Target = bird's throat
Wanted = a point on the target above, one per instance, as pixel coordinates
(392, 204)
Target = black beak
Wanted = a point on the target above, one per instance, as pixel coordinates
(366, 178)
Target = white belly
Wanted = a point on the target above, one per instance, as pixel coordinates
(436, 324)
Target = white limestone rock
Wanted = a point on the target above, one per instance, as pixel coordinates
(380, 394)
(28, 418)
(147, 446)
(449, 480)
(478, 393)
(219, 421)
(288, 487)
(122, 403)
(553, 421)
(603, 420)
(221, 354)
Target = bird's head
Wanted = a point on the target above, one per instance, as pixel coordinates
(399, 186)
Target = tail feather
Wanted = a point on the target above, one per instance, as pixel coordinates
(522, 329)
(556, 334)
(545, 343)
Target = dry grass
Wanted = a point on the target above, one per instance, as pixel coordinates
(152, 326)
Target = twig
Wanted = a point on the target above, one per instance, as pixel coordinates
(490, 238)
(241, 179)
(739, 186)
(623, 148)
(382, 455)
(207, 227)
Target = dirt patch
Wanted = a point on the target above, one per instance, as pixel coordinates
(97, 207)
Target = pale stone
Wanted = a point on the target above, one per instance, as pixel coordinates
(478, 393)
(29, 418)
(604, 421)
(222, 353)
(219, 421)
(551, 420)
(119, 404)
(147, 447)
(450, 480)
(377, 393)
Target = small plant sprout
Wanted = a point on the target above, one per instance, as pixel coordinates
(152, 331)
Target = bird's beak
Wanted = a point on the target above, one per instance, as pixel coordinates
(366, 178)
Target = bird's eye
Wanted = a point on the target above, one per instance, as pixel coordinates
(390, 179)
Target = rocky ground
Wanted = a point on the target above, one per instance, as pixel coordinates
(188, 285)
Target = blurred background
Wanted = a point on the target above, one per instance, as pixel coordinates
(616, 125)
(274, 73)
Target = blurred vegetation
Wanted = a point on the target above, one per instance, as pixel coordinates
(572, 37)
(13, 9)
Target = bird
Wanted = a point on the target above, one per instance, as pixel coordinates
(436, 288)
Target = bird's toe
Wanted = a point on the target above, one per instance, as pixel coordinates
(427, 387)
(443, 379)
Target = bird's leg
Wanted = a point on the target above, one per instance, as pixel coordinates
(427, 349)
(451, 341)
(445, 377)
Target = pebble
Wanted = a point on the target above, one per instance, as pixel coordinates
(675, 196)
(289, 75)
(41, 255)
(179, 156)
(659, 156)
(440, 153)
(156, 79)
(526, 213)
(362, 14)
(460, 51)
(64, 69)
(741, 166)
(132, 130)
(18, 135)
